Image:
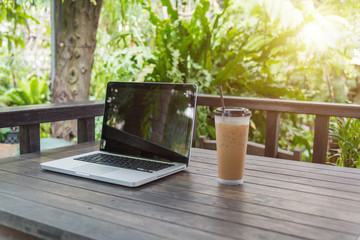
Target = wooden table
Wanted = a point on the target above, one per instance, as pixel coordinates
(280, 199)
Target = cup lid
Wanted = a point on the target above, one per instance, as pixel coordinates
(233, 112)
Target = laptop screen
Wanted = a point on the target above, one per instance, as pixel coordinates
(149, 120)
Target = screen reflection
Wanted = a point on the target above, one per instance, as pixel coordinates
(149, 120)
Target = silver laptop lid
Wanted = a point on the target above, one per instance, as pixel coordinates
(149, 120)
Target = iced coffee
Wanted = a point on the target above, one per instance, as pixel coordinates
(232, 128)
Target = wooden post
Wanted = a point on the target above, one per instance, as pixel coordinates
(321, 139)
(86, 129)
(202, 140)
(29, 138)
(272, 133)
(193, 144)
(297, 155)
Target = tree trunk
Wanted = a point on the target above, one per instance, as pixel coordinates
(75, 47)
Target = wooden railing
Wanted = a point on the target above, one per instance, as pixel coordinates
(28, 118)
(274, 108)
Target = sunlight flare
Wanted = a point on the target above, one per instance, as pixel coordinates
(315, 36)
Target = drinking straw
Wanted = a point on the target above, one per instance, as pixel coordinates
(222, 99)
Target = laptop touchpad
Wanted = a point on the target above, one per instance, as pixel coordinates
(94, 169)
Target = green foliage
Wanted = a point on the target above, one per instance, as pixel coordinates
(45, 130)
(17, 59)
(3, 132)
(216, 51)
(252, 48)
(12, 12)
(119, 65)
(260, 48)
(35, 90)
(182, 48)
(121, 53)
(296, 134)
(347, 133)
(98, 127)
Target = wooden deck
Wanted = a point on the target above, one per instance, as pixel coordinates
(280, 199)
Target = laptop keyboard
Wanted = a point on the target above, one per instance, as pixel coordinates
(124, 162)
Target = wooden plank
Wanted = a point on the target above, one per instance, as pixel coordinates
(250, 204)
(205, 207)
(272, 133)
(180, 212)
(29, 138)
(298, 191)
(206, 189)
(321, 139)
(207, 144)
(31, 114)
(86, 129)
(327, 174)
(200, 186)
(284, 106)
(255, 149)
(304, 178)
(159, 202)
(255, 190)
(268, 179)
(272, 212)
(199, 153)
(295, 175)
(266, 191)
(48, 222)
(71, 150)
(42, 113)
(151, 218)
(301, 169)
(329, 170)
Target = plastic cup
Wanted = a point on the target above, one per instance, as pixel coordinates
(232, 128)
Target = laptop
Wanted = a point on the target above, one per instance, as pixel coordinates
(146, 135)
